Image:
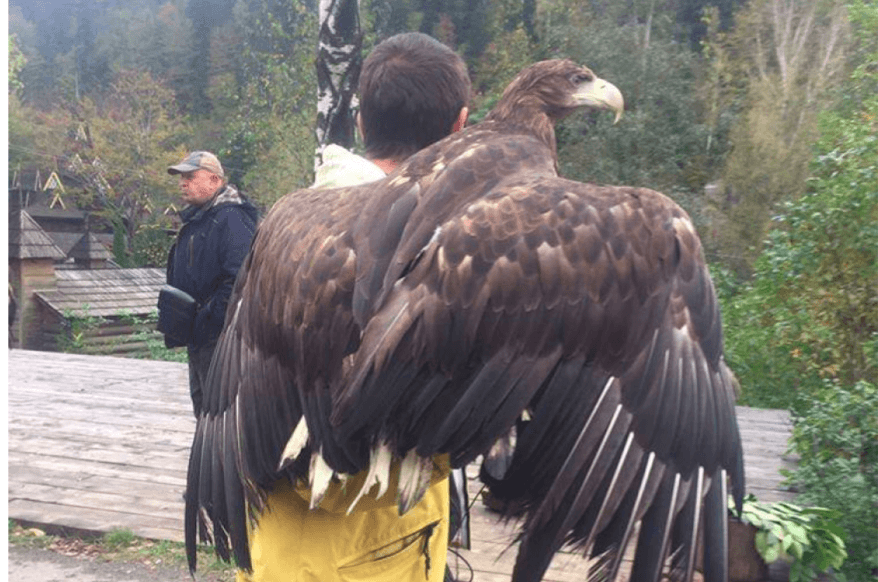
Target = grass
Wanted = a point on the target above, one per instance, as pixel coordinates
(123, 546)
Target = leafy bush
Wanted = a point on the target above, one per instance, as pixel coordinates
(837, 440)
(768, 372)
(75, 328)
(807, 536)
(810, 313)
(155, 342)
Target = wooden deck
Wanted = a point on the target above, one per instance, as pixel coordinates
(98, 443)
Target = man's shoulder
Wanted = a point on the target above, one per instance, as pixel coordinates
(341, 167)
(233, 204)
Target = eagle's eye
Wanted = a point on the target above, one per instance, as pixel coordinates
(578, 78)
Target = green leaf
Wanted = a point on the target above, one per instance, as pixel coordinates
(771, 554)
(798, 532)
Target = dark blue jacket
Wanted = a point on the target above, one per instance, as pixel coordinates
(204, 261)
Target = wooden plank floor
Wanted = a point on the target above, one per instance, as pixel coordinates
(98, 443)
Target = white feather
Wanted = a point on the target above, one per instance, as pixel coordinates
(321, 475)
(294, 446)
(379, 473)
(414, 478)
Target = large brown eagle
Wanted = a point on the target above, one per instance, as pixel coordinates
(471, 295)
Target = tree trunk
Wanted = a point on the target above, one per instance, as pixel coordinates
(338, 71)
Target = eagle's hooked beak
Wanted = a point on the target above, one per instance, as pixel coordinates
(600, 94)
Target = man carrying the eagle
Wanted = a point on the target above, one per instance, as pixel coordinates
(474, 296)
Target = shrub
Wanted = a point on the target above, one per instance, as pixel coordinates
(836, 438)
(806, 536)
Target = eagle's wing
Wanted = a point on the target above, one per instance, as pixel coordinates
(589, 307)
(425, 313)
(291, 331)
(290, 305)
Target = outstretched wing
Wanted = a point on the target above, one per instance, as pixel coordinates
(290, 305)
(295, 322)
(426, 313)
(590, 308)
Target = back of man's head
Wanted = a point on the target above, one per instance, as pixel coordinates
(412, 88)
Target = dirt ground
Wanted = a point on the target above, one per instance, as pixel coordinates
(27, 564)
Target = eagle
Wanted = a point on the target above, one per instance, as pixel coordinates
(474, 298)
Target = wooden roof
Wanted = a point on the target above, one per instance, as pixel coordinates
(104, 292)
(27, 240)
(89, 248)
(67, 240)
(57, 213)
(39, 180)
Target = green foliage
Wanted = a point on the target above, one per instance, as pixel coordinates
(765, 169)
(806, 536)
(121, 255)
(159, 40)
(803, 333)
(119, 538)
(467, 26)
(768, 374)
(836, 438)
(36, 137)
(776, 71)
(145, 331)
(76, 326)
(380, 19)
(152, 243)
(124, 547)
(15, 63)
(811, 310)
(269, 124)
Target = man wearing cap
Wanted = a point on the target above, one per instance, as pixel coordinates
(218, 227)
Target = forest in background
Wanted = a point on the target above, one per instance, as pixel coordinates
(760, 118)
(134, 83)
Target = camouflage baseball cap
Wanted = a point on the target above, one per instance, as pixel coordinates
(198, 161)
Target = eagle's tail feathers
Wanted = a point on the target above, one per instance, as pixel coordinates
(294, 446)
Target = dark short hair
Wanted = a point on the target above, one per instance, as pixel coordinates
(412, 88)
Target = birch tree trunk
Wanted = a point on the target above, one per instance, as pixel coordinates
(338, 71)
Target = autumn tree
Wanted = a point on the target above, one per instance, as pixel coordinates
(122, 150)
(15, 63)
(788, 57)
(35, 135)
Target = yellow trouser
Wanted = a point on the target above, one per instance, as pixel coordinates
(292, 543)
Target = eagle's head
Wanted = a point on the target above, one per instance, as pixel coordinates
(556, 88)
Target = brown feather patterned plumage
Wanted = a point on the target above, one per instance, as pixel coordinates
(428, 311)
